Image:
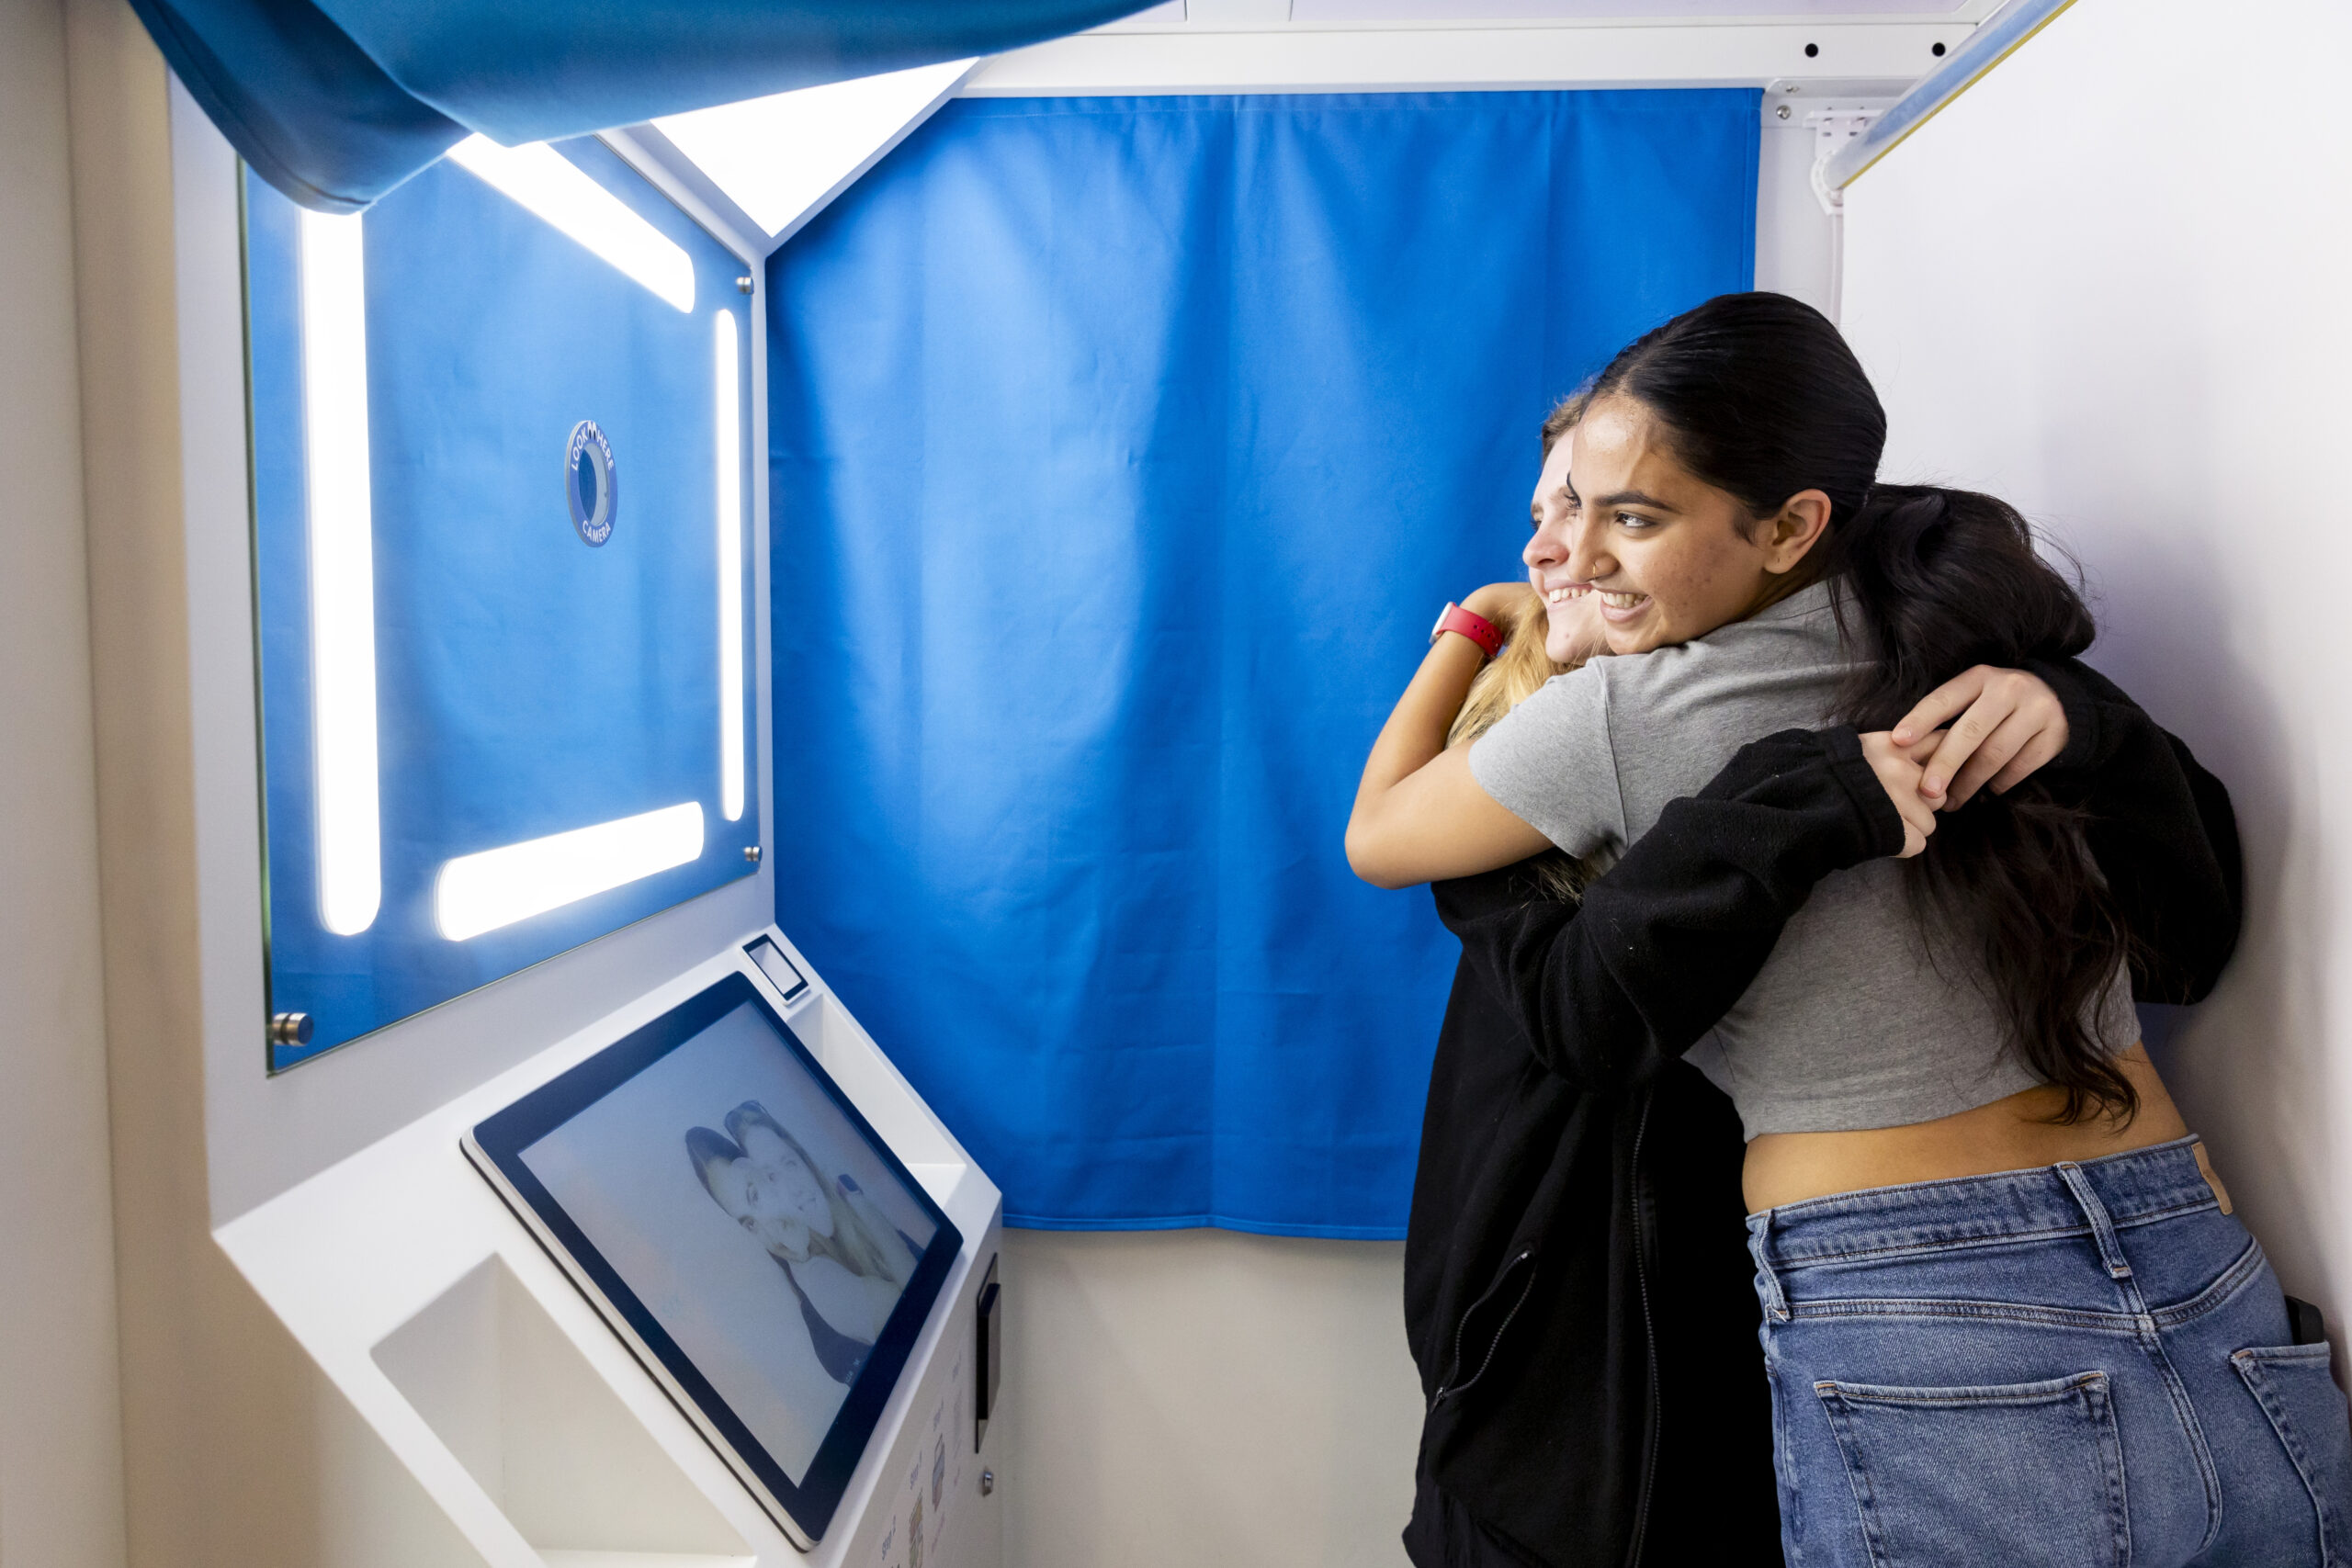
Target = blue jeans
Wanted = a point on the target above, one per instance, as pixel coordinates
(2077, 1365)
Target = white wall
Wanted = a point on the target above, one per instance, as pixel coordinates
(2113, 283)
(1184, 1398)
(60, 1467)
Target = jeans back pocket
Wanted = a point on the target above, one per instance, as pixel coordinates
(2291, 1384)
(2028, 1474)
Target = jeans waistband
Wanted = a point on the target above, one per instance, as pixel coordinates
(2133, 1188)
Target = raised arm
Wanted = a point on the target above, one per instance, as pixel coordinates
(1668, 939)
(1419, 814)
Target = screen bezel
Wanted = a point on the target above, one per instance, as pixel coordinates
(497, 1143)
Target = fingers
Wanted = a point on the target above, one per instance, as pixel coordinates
(1919, 820)
(1937, 708)
(2037, 753)
(2014, 724)
(1999, 750)
(1992, 704)
(1899, 776)
(2011, 703)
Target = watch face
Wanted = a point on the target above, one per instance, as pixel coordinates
(1438, 625)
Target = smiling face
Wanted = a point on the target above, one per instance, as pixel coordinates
(740, 1191)
(784, 1181)
(1572, 628)
(1666, 556)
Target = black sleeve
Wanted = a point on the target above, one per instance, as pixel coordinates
(1668, 939)
(2160, 827)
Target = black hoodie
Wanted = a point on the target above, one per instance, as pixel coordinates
(1578, 1290)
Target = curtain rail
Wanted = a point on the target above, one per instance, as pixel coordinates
(2000, 36)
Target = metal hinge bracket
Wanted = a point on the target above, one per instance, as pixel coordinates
(1832, 130)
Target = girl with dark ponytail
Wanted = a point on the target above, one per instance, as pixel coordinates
(2007, 1314)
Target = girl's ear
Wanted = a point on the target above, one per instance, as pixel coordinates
(1789, 534)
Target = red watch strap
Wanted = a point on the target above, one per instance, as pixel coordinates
(1476, 628)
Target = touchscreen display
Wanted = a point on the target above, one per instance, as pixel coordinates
(739, 1214)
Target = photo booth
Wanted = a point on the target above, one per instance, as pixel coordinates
(500, 692)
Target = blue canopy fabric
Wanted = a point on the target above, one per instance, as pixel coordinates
(1122, 452)
(334, 103)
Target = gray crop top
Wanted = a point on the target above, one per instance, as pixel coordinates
(1850, 1023)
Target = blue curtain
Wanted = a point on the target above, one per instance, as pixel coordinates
(335, 102)
(1122, 451)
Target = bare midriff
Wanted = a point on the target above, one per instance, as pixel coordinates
(2016, 1134)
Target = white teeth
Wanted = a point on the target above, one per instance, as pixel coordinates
(1562, 595)
(1621, 601)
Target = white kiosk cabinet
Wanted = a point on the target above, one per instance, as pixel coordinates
(520, 1414)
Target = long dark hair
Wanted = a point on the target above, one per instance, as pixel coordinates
(1759, 396)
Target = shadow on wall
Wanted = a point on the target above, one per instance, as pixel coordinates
(2244, 1064)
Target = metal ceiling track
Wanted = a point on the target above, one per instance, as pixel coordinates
(2001, 35)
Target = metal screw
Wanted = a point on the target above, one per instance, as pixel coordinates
(1781, 110)
(744, 283)
(289, 1029)
(752, 853)
(988, 1483)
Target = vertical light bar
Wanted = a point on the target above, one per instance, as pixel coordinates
(727, 383)
(343, 570)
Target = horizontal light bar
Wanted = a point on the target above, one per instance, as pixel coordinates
(479, 893)
(727, 405)
(552, 188)
(343, 570)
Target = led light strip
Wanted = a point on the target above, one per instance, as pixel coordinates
(481, 892)
(343, 570)
(727, 385)
(552, 188)
(782, 157)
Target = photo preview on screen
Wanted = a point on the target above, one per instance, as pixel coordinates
(755, 1223)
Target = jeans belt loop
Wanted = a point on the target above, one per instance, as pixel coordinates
(2110, 1251)
(1759, 1246)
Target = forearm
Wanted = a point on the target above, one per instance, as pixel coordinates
(1670, 937)
(2162, 829)
(1419, 813)
(2163, 832)
(1416, 729)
